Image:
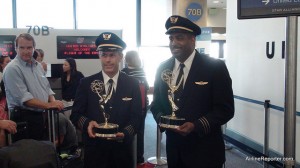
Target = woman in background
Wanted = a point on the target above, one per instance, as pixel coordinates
(40, 57)
(70, 79)
(4, 60)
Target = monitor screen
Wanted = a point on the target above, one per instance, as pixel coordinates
(54, 70)
(251, 9)
(77, 47)
(7, 46)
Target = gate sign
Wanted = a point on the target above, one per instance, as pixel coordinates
(250, 9)
(194, 11)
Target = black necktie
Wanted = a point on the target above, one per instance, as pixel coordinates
(110, 90)
(180, 85)
(180, 74)
(110, 86)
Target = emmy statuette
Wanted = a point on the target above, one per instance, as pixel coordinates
(171, 121)
(106, 129)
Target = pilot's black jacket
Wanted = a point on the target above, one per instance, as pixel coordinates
(207, 101)
(126, 112)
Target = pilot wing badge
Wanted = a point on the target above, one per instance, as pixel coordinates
(126, 98)
(201, 83)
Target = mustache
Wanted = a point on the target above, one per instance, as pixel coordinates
(175, 47)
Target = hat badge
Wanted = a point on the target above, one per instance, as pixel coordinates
(106, 36)
(173, 19)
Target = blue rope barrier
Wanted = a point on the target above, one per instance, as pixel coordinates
(262, 103)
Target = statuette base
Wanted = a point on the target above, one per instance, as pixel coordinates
(106, 130)
(170, 121)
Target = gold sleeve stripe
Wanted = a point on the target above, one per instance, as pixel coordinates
(81, 122)
(204, 127)
(207, 124)
(130, 129)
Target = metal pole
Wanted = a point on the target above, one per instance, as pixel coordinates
(138, 22)
(135, 151)
(158, 160)
(14, 10)
(227, 145)
(49, 125)
(267, 127)
(290, 91)
(53, 126)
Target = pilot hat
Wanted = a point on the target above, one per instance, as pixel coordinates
(179, 24)
(108, 41)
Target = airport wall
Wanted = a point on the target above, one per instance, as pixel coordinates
(259, 78)
(47, 40)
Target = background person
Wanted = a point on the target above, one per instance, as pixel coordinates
(4, 60)
(28, 89)
(67, 141)
(40, 58)
(206, 101)
(135, 70)
(124, 109)
(70, 79)
(10, 127)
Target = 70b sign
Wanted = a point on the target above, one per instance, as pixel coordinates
(194, 11)
(36, 30)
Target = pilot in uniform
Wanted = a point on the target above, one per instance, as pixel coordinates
(206, 101)
(123, 108)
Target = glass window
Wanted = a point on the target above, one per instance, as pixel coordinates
(6, 20)
(55, 13)
(225, 50)
(112, 14)
(154, 42)
(152, 57)
(214, 50)
(154, 16)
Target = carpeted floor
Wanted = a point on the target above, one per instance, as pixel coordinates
(234, 157)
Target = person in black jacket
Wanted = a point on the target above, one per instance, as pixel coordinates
(206, 101)
(135, 70)
(124, 108)
(70, 79)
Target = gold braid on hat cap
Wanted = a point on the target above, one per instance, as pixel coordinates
(108, 45)
(180, 27)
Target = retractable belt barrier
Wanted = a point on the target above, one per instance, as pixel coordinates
(29, 121)
(158, 160)
(52, 114)
(267, 128)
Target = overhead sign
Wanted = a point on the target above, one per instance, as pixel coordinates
(77, 47)
(7, 45)
(250, 9)
(194, 11)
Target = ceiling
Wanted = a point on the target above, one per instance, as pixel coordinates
(216, 3)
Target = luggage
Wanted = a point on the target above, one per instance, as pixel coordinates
(29, 153)
(71, 160)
